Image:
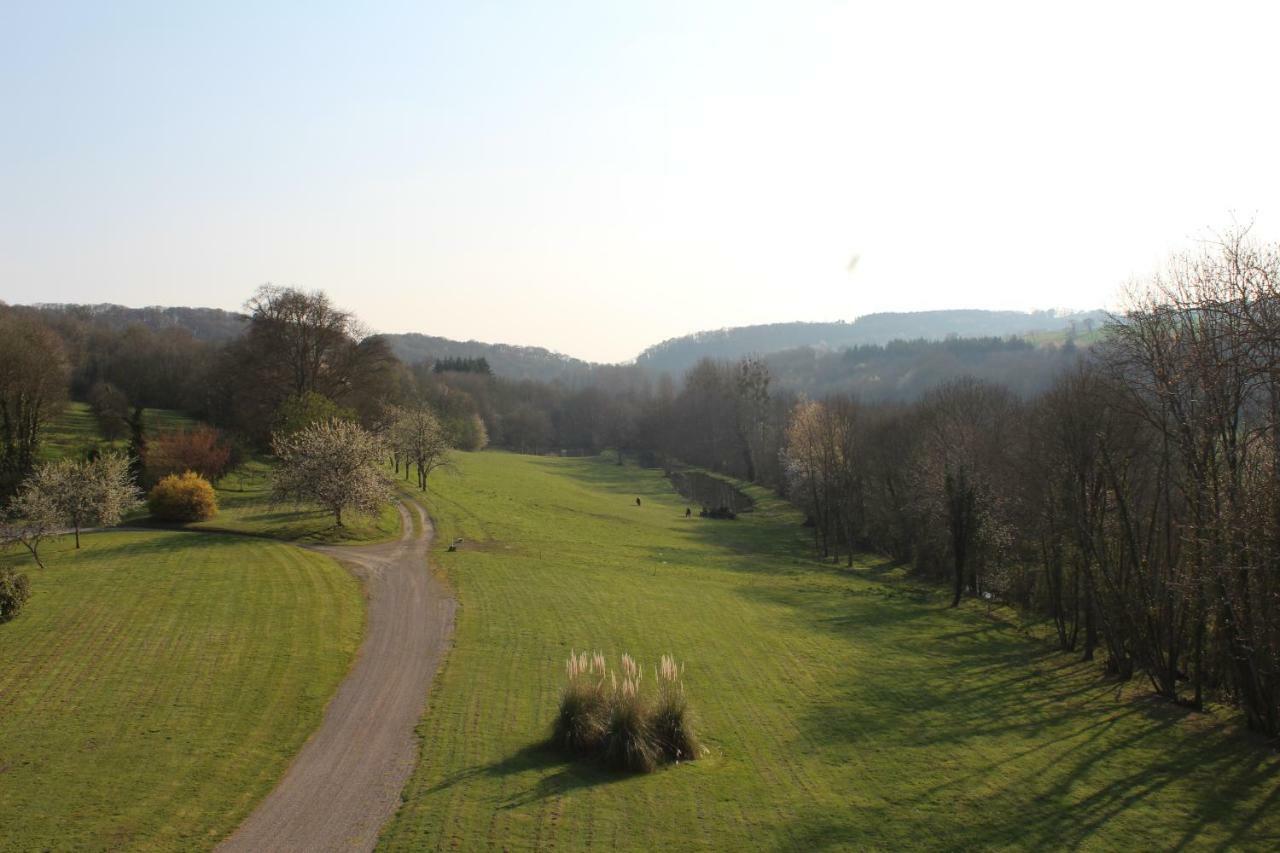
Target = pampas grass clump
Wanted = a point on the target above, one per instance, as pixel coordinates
(583, 721)
(631, 744)
(673, 727)
(619, 721)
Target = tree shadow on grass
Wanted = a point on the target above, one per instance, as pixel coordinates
(167, 540)
(975, 705)
(554, 774)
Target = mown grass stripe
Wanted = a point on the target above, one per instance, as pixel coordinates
(158, 683)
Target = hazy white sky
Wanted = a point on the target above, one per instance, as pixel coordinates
(595, 177)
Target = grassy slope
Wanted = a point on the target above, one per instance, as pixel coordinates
(75, 430)
(842, 708)
(244, 506)
(157, 685)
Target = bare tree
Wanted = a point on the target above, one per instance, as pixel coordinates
(297, 344)
(33, 383)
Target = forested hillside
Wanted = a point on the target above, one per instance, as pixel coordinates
(204, 324)
(679, 354)
(513, 362)
(811, 357)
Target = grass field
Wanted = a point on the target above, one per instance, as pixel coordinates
(842, 708)
(157, 685)
(75, 431)
(244, 506)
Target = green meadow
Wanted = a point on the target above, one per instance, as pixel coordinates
(841, 708)
(74, 432)
(157, 684)
(244, 506)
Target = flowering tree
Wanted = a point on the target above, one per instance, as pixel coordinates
(420, 439)
(72, 493)
(336, 464)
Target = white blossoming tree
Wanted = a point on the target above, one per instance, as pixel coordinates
(419, 438)
(335, 464)
(70, 493)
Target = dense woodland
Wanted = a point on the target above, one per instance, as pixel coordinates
(1127, 490)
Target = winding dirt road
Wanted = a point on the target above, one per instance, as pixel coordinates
(346, 782)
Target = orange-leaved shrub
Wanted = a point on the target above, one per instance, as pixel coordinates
(201, 449)
(182, 497)
(618, 720)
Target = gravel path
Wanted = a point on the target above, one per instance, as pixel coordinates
(346, 782)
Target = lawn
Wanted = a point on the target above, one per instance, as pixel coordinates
(244, 506)
(842, 708)
(157, 685)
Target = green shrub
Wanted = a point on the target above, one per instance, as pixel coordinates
(617, 721)
(15, 589)
(185, 497)
(467, 432)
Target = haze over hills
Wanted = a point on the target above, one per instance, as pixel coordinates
(673, 356)
(205, 324)
(678, 354)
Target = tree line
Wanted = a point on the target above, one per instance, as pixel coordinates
(1130, 494)
(1135, 503)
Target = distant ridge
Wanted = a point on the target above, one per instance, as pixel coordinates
(509, 360)
(673, 356)
(216, 325)
(679, 354)
(205, 324)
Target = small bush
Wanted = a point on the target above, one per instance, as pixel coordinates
(15, 589)
(188, 497)
(618, 721)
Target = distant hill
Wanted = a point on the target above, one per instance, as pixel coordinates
(507, 360)
(216, 326)
(786, 343)
(205, 324)
(679, 354)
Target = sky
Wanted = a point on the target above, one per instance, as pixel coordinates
(596, 177)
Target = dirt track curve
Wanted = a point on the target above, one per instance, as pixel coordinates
(346, 782)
